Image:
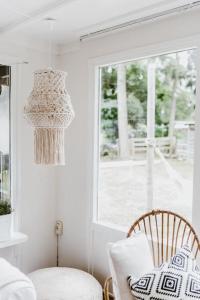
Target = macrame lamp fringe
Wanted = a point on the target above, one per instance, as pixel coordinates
(49, 146)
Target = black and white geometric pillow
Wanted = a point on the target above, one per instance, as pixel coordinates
(179, 279)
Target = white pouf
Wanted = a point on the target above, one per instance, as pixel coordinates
(65, 284)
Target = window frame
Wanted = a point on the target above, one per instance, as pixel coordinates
(94, 111)
(15, 169)
(15, 111)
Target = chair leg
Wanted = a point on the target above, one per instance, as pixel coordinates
(107, 294)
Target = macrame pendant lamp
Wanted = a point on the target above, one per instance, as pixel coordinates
(49, 111)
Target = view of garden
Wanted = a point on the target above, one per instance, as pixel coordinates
(147, 137)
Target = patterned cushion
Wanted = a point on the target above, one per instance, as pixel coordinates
(178, 279)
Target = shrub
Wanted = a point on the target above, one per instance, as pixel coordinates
(5, 208)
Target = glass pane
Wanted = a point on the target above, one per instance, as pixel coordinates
(175, 128)
(122, 167)
(147, 164)
(4, 133)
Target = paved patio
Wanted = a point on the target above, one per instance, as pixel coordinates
(123, 195)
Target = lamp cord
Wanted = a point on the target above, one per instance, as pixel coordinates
(51, 22)
(50, 44)
(57, 250)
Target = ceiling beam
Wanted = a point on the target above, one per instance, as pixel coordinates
(46, 10)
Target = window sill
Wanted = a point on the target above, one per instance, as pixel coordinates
(16, 238)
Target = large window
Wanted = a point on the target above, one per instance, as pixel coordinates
(4, 133)
(147, 130)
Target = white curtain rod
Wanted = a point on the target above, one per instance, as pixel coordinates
(151, 17)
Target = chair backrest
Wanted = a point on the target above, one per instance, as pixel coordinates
(166, 232)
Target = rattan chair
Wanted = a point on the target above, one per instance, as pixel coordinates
(166, 232)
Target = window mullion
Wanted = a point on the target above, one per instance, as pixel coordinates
(196, 180)
(150, 131)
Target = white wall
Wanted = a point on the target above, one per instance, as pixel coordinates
(34, 198)
(73, 186)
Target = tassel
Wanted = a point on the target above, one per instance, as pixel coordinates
(49, 146)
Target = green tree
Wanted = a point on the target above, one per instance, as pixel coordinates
(175, 94)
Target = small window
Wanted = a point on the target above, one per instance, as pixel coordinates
(147, 132)
(5, 133)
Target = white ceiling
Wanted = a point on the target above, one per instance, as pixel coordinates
(73, 17)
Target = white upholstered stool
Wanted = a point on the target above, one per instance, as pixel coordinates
(65, 284)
